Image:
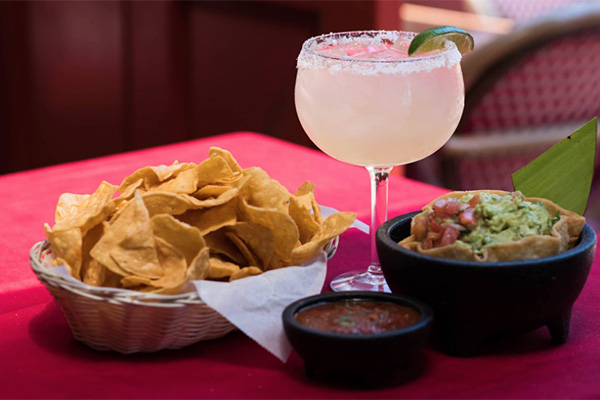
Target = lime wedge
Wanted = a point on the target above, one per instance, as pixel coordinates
(435, 38)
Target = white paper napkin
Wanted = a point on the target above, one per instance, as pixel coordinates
(255, 304)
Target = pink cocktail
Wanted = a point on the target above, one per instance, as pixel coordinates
(362, 100)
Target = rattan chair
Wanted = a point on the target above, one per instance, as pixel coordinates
(525, 91)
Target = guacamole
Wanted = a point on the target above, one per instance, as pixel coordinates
(480, 220)
(492, 225)
(503, 219)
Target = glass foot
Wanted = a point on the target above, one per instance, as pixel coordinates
(359, 280)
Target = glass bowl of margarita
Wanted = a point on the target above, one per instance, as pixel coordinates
(363, 100)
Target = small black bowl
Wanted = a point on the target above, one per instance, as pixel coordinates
(361, 353)
(474, 301)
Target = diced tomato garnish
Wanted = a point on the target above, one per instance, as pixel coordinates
(449, 236)
(439, 209)
(439, 205)
(453, 207)
(467, 217)
(435, 224)
(444, 224)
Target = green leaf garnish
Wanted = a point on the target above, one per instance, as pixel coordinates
(564, 172)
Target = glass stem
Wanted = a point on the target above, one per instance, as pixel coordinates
(379, 210)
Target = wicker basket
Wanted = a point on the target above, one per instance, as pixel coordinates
(127, 321)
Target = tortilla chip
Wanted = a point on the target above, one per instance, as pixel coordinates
(220, 269)
(89, 212)
(245, 272)
(128, 246)
(227, 156)
(185, 238)
(173, 266)
(159, 202)
(243, 248)
(185, 182)
(92, 272)
(304, 219)
(259, 241)
(306, 196)
(151, 176)
(215, 169)
(221, 245)
(211, 219)
(127, 192)
(199, 267)
(66, 245)
(333, 226)
(68, 205)
(264, 192)
(210, 191)
(285, 234)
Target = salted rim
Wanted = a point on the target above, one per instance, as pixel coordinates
(311, 58)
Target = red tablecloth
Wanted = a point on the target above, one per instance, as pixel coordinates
(40, 359)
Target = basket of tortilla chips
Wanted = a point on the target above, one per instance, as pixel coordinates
(130, 252)
(493, 225)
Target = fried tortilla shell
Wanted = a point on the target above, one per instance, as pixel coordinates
(564, 234)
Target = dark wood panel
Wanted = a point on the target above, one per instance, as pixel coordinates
(15, 122)
(242, 66)
(84, 79)
(76, 80)
(156, 72)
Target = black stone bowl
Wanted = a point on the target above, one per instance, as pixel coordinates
(348, 354)
(474, 301)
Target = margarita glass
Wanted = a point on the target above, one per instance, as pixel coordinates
(362, 100)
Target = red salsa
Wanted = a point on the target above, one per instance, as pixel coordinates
(358, 316)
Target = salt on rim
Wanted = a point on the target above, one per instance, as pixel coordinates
(311, 58)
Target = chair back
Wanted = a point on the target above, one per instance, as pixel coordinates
(525, 92)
